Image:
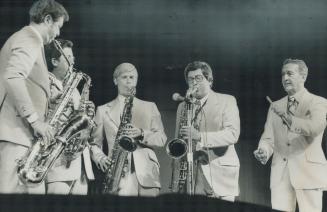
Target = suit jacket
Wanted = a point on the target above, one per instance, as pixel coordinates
(219, 127)
(298, 149)
(145, 115)
(59, 171)
(22, 58)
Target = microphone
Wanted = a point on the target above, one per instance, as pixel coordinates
(188, 97)
(177, 97)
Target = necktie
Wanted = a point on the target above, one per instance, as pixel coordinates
(197, 109)
(292, 105)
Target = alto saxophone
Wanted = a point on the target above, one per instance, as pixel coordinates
(122, 146)
(34, 166)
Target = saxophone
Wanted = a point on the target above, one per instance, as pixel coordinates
(186, 158)
(122, 146)
(34, 166)
(177, 149)
(184, 153)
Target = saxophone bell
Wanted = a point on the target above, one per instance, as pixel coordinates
(176, 148)
(126, 142)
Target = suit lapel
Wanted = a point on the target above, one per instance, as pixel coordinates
(279, 122)
(304, 100)
(137, 112)
(113, 111)
(210, 109)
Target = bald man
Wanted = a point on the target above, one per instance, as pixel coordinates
(141, 175)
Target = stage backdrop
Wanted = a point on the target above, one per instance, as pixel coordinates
(245, 42)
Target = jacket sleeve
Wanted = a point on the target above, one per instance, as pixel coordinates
(97, 137)
(178, 119)
(155, 136)
(314, 122)
(23, 56)
(230, 131)
(267, 138)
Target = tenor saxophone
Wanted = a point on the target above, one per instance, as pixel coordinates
(122, 146)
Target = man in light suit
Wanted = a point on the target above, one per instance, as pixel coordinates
(66, 177)
(218, 131)
(24, 90)
(142, 175)
(293, 133)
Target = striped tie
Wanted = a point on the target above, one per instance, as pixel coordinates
(292, 105)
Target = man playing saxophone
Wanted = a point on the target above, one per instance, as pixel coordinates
(140, 174)
(24, 91)
(67, 175)
(215, 129)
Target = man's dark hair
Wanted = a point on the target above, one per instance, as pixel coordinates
(42, 8)
(205, 68)
(51, 52)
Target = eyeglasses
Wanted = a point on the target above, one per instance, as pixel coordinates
(197, 78)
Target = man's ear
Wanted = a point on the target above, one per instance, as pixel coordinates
(48, 19)
(54, 62)
(210, 83)
(115, 81)
(304, 77)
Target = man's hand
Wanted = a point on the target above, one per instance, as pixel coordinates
(195, 134)
(43, 130)
(103, 164)
(261, 155)
(132, 131)
(90, 108)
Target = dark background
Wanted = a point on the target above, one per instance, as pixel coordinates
(245, 42)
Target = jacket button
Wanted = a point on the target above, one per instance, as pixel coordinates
(284, 159)
(288, 144)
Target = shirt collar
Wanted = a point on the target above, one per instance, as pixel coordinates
(204, 99)
(121, 99)
(298, 95)
(37, 33)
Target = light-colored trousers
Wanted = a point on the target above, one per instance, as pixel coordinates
(78, 186)
(284, 197)
(9, 182)
(202, 187)
(129, 186)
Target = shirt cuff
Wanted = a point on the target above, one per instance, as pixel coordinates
(32, 118)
